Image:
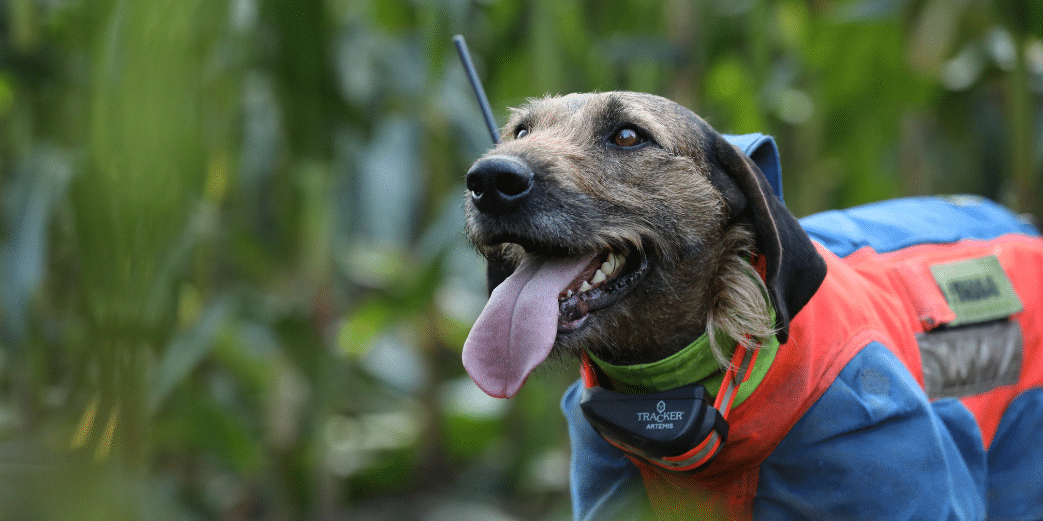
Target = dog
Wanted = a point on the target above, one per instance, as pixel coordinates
(880, 362)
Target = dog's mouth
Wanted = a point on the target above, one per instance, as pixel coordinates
(606, 280)
(546, 296)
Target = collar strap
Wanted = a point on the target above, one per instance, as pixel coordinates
(694, 363)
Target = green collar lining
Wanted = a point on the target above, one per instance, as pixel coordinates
(692, 364)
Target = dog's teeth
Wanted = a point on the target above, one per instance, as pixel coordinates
(568, 293)
(607, 266)
(616, 261)
(585, 286)
(599, 276)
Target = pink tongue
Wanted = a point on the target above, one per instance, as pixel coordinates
(516, 330)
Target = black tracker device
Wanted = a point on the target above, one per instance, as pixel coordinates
(657, 425)
(681, 429)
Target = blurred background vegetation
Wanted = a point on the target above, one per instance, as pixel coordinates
(234, 284)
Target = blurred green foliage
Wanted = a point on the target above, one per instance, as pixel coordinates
(233, 280)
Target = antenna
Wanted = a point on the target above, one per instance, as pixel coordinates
(476, 84)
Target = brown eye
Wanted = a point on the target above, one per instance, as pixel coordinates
(626, 137)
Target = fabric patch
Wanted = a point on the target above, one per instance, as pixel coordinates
(969, 360)
(977, 290)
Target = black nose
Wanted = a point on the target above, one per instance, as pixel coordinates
(499, 184)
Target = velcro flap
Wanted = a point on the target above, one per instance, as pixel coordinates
(931, 308)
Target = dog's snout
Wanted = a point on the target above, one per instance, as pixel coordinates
(499, 184)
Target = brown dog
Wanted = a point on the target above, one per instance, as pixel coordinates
(621, 228)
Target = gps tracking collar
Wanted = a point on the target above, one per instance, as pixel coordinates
(677, 429)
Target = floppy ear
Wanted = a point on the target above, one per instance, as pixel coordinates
(794, 268)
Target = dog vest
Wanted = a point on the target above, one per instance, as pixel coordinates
(904, 308)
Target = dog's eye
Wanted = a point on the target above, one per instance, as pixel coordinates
(521, 132)
(627, 137)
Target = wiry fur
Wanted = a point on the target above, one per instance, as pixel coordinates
(740, 299)
(662, 200)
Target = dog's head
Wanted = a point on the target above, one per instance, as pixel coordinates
(626, 223)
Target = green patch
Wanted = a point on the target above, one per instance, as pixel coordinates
(977, 290)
